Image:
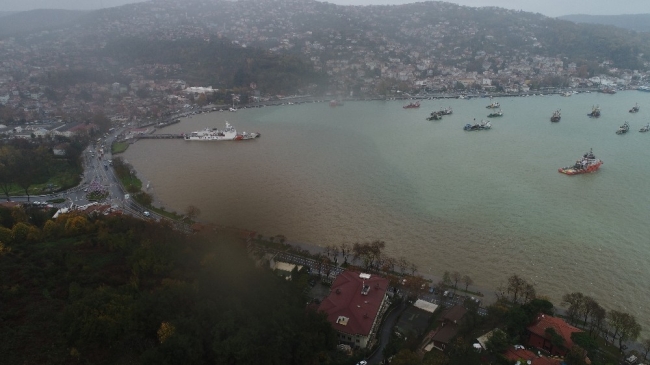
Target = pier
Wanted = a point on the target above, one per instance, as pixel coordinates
(160, 136)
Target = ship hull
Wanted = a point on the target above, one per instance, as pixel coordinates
(574, 171)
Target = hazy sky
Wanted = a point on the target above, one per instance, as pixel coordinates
(546, 7)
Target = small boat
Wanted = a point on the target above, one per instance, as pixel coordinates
(588, 163)
(494, 105)
(635, 108)
(608, 90)
(595, 112)
(645, 128)
(412, 105)
(556, 116)
(335, 103)
(644, 88)
(435, 116)
(623, 129)
(495, 114)
(446, 111)
(483, 125)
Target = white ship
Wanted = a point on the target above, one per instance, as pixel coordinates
(214, 134)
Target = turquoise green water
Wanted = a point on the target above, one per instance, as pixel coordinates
(487, 204)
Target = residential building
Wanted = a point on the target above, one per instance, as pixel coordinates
(415, 319)
(355, 305)
(449, 326)
(540, 338)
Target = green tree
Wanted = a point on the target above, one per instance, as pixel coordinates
(498, 342)
(19, 232)
(406, 357)
(8, 169)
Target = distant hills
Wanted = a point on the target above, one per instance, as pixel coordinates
(636, 22)
(36, 20)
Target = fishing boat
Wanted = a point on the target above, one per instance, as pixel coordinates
(595, 112)
(556, 116)
(588, 163)
(645, 128)
(623, 129)
(494, 105)
(495, 114)
(435, 116)
(412, 105)
(483, 125)
(635, 108)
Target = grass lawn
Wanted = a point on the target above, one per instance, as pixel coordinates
(164, 213)
(131, 183)
(64, 176)
(119, 147)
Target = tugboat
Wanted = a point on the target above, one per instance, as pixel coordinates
(494, 105)
(635, 108)
(484, 125)
(412, 105)
(495, 114)
(556, 116)
(623, 129)
(595, 112)
(645, 128)
(588, 163)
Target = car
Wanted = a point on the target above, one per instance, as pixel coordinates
(445, 293)
(146, 213)
(85, 190)
(362, 362)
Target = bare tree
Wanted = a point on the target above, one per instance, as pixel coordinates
(328, 250)
(345, 251)
(446, 278)
(402, 264)
(455, 276)
(575, 301)
(629, 330)
(528, 292)
(597, 319)
(516, 286)
(588, 306)
(389, 264)
(414, 268)
(335, 252)
(467, 281)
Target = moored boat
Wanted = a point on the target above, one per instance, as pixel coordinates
(483, 125)
(556, 116)
(635, 108)
(495, 114)
(494, 105)
(595, 112)
(412, 105)
(214, 134)
(588, 163)
(623, 129)
(645, 128)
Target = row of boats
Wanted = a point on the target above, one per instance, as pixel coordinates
(626, 128)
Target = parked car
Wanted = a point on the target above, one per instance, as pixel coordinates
(146, 213)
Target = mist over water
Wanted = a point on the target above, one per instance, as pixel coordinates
(488, 204)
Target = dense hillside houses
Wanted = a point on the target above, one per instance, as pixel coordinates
(355, 51)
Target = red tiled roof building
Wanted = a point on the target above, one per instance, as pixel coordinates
(540, 339)
(354, 306)
(518, 354)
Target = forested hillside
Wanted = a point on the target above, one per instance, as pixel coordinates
(636, 22)
(116, 290)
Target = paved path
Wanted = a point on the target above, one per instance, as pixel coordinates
(384, 334)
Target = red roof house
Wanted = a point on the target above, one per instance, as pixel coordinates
(540, 339)
(354, 306)
(518, 353)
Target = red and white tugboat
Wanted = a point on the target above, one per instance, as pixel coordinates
(588, 163)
